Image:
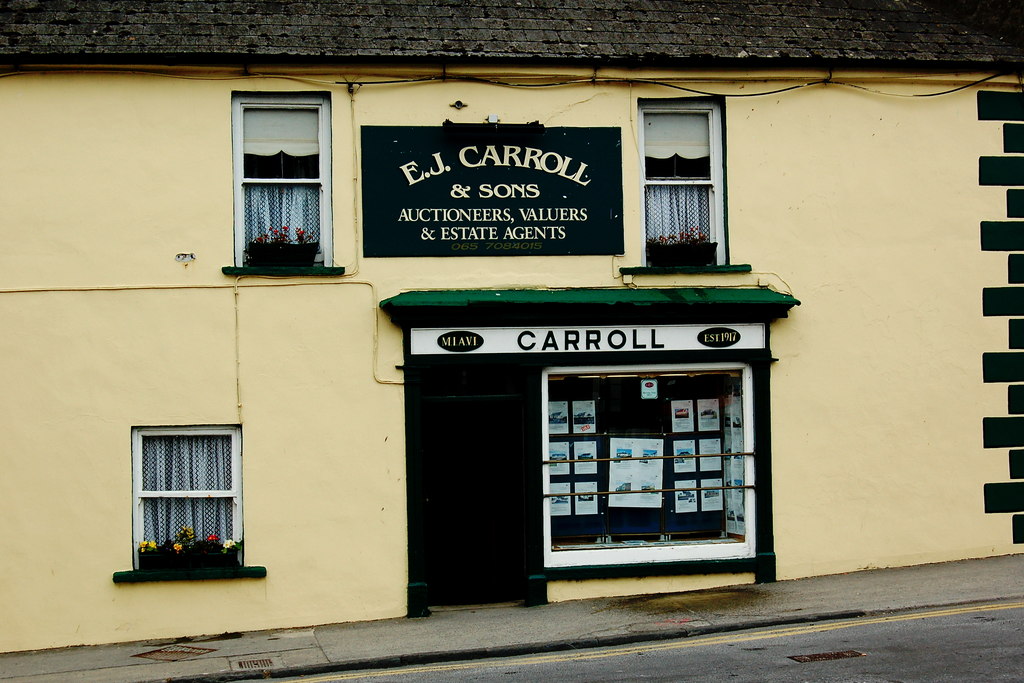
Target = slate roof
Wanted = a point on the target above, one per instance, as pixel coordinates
(577, 31)
(1002, 18)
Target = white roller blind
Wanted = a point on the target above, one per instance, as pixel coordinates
(269, 131)
(686, 135)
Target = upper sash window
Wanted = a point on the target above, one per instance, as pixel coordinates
(282, 174)
(682, 164)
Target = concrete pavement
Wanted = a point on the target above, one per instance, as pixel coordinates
(491, 631)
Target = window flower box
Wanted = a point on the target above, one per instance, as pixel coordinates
(280, 254)
(172, 560)
(283, 247)
(187, 551)
(681, 253)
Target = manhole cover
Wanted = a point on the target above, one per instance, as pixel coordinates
(253, 664)
(827, 656)
(174, 653)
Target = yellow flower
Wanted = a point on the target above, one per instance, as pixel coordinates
(177, 547)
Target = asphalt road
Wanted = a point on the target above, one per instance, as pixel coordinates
(962, 644)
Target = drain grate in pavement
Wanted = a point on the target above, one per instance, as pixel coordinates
(253, 664)
(827, 656)
(175, 653)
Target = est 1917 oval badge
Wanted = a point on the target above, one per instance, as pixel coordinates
(718, 337)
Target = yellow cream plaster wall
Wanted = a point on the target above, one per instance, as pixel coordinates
(864, 206)
(874, 225)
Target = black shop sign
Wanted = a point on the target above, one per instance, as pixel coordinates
(430, 192)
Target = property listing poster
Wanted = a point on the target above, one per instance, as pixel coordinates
(735, 522)
(734, 470)
(585, 451)
(686, 501)
(709, 418)
(680, 449)
(711, 446)
(711, 499)
(682, 416)
(558, 451)
(732, 414)
(637, 467)
(734, 518)
(560, 505)
(586, 502)
(558, 417)
(584, 417)
(620, 471)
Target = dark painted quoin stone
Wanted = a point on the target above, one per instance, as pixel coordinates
(1002, 432)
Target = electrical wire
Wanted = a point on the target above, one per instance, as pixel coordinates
(661, 83)
(445, 76)
(933, 94)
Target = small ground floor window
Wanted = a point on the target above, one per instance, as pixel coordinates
(187, 483)
(648, 464)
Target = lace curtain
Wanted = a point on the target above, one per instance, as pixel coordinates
(282, 205)
(671, 209)
(186, 463)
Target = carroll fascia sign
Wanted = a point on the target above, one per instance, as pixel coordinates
(433, 191)
(590, 339)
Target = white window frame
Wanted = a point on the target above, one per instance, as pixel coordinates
(139, 494)
(322, 104)
(685, 551)
(716, 134)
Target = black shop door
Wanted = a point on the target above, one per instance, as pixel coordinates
(473, 499)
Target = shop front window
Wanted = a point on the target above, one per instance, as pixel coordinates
(648, 464)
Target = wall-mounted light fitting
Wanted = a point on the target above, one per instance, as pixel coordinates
(492, 127)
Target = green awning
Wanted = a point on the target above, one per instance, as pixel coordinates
(634, 297)
(415, 307)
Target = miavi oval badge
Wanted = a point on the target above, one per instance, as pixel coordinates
(460, 341)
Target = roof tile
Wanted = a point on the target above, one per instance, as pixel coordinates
(591, 30)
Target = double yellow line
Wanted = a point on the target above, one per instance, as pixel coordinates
(683, 643)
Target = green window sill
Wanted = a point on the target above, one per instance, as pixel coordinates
(672, 270)
(141, 576)
(284, 271)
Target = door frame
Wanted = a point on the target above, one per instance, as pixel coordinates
(534, 590)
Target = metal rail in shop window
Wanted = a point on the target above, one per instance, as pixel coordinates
(643, 457)
(617, 493)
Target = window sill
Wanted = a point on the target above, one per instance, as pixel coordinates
(671, 270)
(141, 576)
(284, 271)
(641, 570)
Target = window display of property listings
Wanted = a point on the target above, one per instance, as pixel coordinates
(647, 460)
